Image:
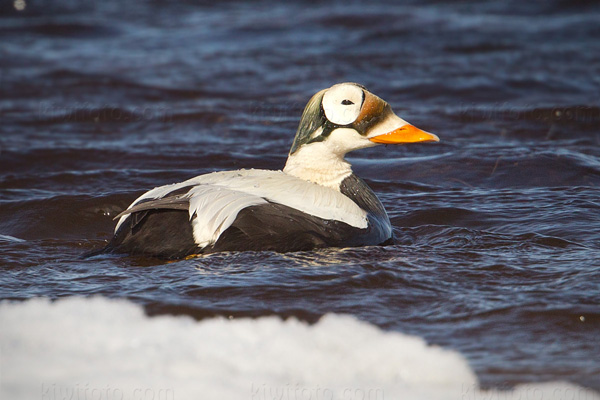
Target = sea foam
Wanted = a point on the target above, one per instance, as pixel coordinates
(96, 348)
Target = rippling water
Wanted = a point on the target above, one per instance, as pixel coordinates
(497, 227)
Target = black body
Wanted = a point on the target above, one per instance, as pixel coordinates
(162, 227)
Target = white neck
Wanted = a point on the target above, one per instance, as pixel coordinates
(318, 164)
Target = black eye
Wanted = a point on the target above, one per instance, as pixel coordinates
(347, 102)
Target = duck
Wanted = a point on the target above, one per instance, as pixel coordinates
(314, 202)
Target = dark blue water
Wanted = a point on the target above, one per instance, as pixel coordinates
(497, 250)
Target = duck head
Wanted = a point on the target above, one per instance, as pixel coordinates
(341, 119)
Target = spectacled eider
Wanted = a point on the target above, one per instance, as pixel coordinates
(314, 202)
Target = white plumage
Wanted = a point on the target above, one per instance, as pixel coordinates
(218, 197)
(315, 202)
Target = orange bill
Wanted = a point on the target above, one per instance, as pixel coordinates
(405, 134)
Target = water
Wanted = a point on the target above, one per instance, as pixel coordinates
(497, 226)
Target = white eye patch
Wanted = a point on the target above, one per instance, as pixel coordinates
(342, 103)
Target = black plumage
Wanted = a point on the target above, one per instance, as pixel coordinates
(302, 207)
(162, 227)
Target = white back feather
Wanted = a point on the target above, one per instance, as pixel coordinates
(217, 198)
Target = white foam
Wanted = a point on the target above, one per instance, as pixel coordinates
(8, 238)
(108, 349)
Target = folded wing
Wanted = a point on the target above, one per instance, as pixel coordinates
(213, 201)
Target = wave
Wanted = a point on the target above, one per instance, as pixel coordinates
(101, 348)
